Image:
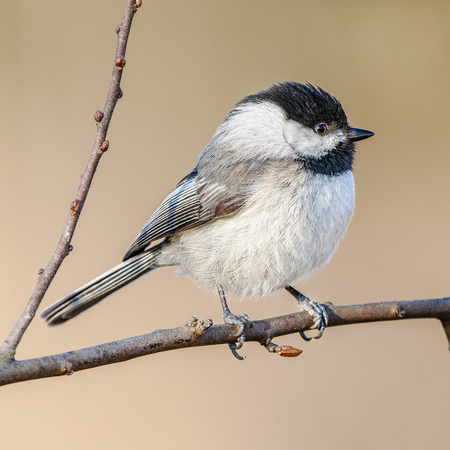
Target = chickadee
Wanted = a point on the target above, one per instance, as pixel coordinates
(267, 204)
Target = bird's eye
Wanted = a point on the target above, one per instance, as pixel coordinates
(321, 129)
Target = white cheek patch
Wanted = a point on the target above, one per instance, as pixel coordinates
(254, 130)
(305, 141)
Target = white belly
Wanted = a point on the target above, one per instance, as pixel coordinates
(288, 230)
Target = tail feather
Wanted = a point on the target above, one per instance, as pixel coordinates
(102, 286)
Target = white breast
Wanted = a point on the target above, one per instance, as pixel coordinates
(290, 228)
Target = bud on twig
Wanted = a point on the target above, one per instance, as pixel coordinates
(98, 116)
(120, 62)
(75, 205)
(105, 146)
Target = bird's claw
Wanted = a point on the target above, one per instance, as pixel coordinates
(319, 314)
(239, 322)
(233, 347)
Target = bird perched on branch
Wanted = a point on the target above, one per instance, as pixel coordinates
(267, 204)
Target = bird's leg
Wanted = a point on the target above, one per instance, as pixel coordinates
(237, 321)
(317, 311)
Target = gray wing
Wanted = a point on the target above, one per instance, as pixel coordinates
(196, 200)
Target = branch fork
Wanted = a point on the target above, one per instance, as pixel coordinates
(195, 332)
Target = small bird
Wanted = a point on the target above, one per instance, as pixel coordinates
(270, 199)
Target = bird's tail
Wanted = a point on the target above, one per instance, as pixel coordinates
(99, 288)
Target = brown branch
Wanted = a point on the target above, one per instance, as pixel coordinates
(194, 333)
(103, 119)
(201, 333)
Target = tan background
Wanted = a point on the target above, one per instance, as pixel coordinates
(373, 386)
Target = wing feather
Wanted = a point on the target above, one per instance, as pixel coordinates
(197, 199)
(178, 210)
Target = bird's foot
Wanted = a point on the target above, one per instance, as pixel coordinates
(238, 321)
(317, 311)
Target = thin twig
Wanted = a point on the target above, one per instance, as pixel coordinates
(8, 348)
(201, 333)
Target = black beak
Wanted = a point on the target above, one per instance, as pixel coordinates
(357, 134)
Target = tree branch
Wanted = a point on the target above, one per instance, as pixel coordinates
(200, 333)
(103, 119)
(195, 333)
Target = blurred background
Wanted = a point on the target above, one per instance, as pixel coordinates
(370, 386)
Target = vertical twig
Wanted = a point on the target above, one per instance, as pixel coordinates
(103, 119)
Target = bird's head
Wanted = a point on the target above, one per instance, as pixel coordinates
(292, 121)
